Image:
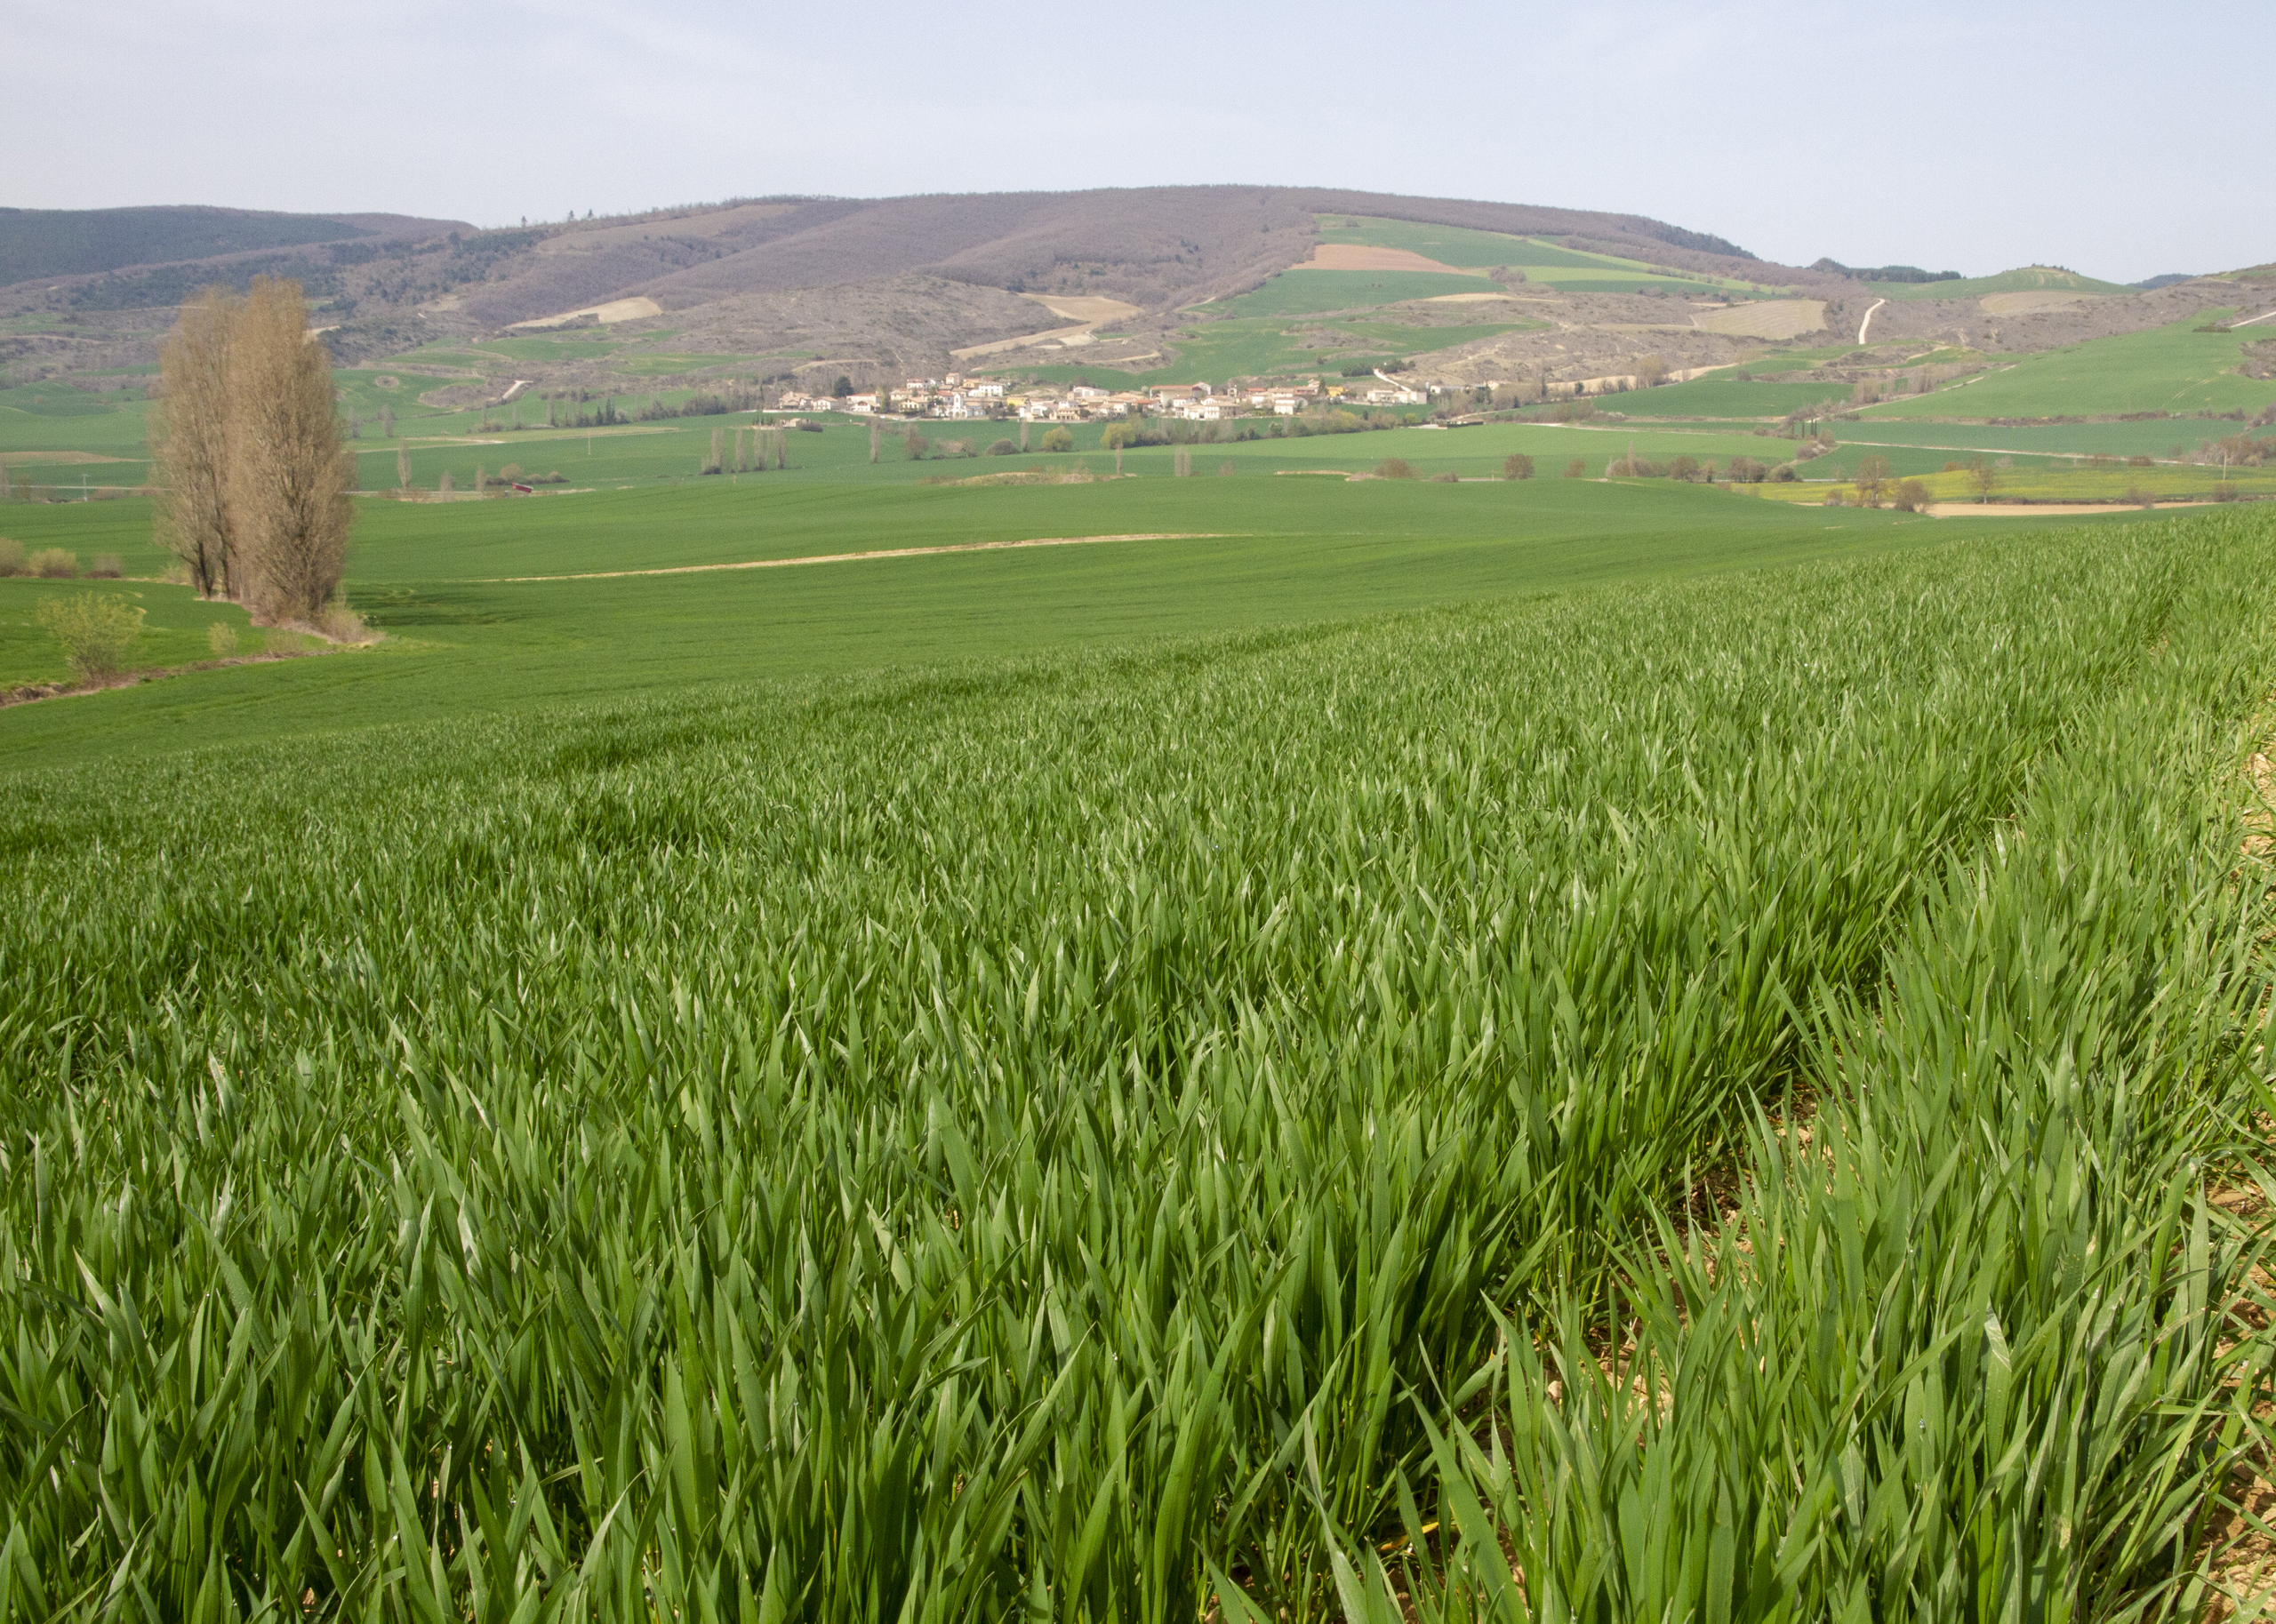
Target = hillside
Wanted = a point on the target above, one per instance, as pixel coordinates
(49, 242)
(1122, 288)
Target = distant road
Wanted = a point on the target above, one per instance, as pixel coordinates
(1868, 322)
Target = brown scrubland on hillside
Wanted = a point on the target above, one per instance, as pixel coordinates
(804, 289)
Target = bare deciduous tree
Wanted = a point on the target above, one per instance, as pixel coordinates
(191, 447)
(289, 473)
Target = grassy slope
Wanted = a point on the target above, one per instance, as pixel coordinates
(1718, 395)
(2030, 279)
(1314, 550)
(2158, 438)
(174, 626)
(1567, 269)
(2161, 368)
(1299, 291)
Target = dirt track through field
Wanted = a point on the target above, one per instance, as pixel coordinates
(890, 552)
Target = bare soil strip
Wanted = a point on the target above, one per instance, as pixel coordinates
(890, 552)
(1360, 256)
(607, 314)
(1773, 318)
(1056, 335)
(1083, 307)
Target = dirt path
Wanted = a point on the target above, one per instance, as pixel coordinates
(890, 552)
(1865, 324)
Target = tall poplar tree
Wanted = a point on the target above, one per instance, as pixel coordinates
(291, 474)
(190, 448)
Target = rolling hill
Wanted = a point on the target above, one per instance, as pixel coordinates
(37, 243)
(1124, 287)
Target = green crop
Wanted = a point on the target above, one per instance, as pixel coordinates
(1105, 1136)
(1972, 1339)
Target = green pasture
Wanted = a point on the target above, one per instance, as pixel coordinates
(1456, 245)
(648, 365)
(53, 417)
(1910, 461)
(1718, 395)
(2173, 369)
(549, 350)
(175, 623)
(360, 392)
(1299, 291)
(74, 479)
(1255, 553)
(672, 453)
(1639, 282)
(1565, 269)
(2030, 279)
(2164, 439)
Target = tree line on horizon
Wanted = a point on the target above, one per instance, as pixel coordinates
(255, 473)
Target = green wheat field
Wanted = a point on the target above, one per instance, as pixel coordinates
(1537, 1050)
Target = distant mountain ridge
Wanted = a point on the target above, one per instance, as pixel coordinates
(1155, 246)
(36, 242)
(763, 287)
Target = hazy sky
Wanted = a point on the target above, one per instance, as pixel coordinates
(1966, 136)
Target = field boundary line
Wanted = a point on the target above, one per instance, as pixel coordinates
(889, 552)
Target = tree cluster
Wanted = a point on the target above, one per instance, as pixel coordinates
(254, 474)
